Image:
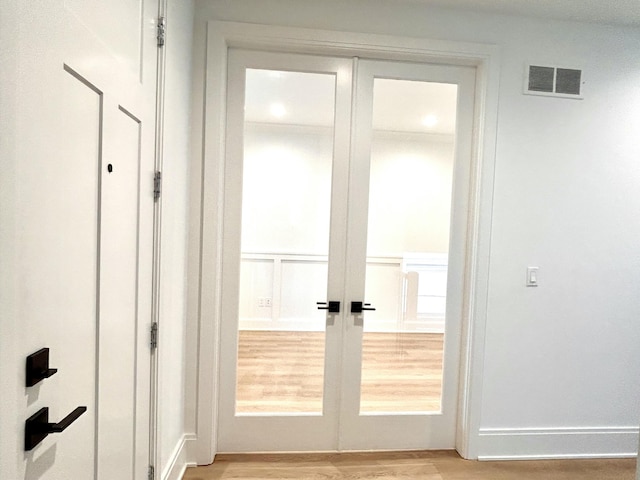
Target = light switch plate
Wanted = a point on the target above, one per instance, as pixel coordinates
(532, 277)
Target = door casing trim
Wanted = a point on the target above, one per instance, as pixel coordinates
(208, 175)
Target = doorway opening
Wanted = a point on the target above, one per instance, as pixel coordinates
(347, 182)
(217, 263)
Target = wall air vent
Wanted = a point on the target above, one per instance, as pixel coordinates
(553, 81)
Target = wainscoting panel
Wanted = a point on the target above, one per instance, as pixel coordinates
(279, 292)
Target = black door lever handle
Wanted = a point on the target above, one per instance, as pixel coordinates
(332, 307)
(37, 427)
(359, 307)
(62, 425)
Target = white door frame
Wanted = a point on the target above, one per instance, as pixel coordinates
(223, 35)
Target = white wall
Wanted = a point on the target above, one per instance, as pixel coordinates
(411, 179)
(9, 421)
(561, 363)
(282, 163)
(410, 194)
(176, 152)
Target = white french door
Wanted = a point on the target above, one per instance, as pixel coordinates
(346, 189)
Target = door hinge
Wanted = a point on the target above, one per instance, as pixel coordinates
(157, 185)
(162, 31)
(154, 336)
(151, 475)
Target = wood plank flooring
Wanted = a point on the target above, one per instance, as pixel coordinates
(432, 465)
(401, 372)
(283, 372)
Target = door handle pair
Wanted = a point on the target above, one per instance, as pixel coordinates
(37, 427)
(334, 307)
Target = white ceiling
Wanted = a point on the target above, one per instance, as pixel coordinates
(610, 12)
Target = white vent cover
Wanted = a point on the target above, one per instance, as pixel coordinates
(553, 81)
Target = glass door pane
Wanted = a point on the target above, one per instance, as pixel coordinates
(410, 192)
(284, 244)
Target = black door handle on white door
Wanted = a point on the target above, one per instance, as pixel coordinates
(359, 307)
(331, 307)
(37, 427)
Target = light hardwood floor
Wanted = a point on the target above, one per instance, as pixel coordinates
(433, 465)
(283, 372)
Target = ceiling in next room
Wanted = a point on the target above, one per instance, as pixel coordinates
(295, 98)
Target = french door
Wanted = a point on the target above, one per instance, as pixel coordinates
(346, 190)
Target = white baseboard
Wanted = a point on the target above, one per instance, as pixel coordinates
(181, 458)
(550, 443)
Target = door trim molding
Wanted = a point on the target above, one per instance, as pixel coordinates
(208, 177)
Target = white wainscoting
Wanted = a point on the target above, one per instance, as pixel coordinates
(281, 291)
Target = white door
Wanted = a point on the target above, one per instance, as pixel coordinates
(406, 244)
(346, 181)
(85, 130)
(277, 221)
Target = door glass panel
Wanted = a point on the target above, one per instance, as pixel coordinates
(410, 190)
(286, 199)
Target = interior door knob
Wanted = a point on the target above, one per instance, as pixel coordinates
(359, 307)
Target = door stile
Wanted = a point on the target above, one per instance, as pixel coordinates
(232, 224)
(356, 245)
(338, 238)
(460, 244)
